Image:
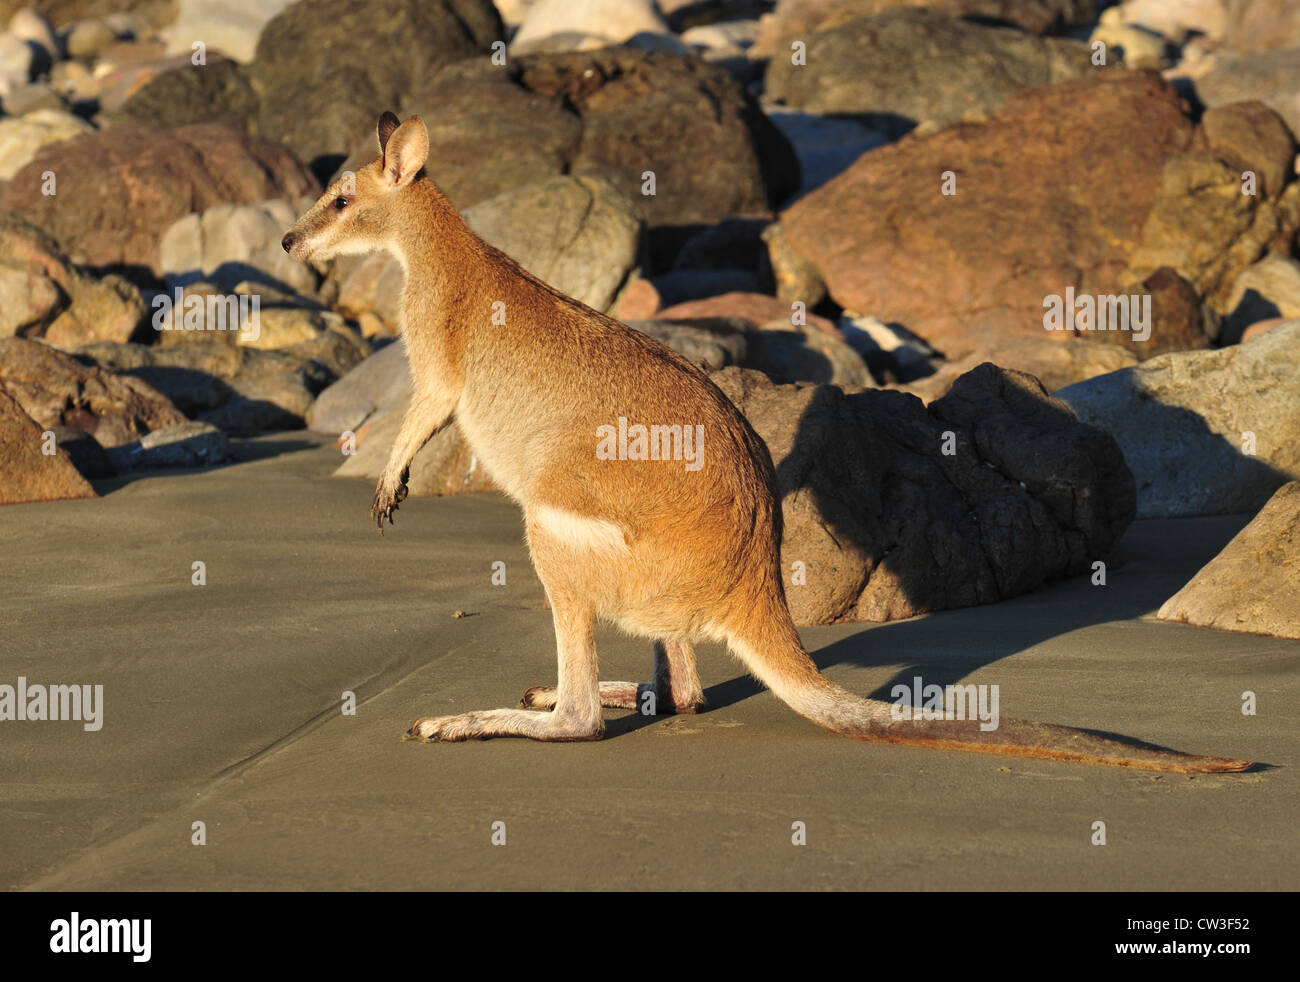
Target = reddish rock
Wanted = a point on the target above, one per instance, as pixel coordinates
(119, 189)
(1053, 193)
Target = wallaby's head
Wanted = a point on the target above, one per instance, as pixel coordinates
(360, 212)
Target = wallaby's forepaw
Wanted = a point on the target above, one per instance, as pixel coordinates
(387, 498)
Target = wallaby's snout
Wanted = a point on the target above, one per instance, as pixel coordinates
(357, 211)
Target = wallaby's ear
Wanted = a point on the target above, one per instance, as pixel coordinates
(387, 123)
(405, 152)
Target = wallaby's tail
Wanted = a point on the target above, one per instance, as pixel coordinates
(784, 667)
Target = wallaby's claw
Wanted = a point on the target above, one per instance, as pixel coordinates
(386, 503)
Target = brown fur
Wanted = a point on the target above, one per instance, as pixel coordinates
(664, 552)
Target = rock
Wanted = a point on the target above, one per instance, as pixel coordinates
(56, 389)
(1268, 290)
(1271, 77)
(16, 63)
(1204, 432)
(21, 137)
(28, 300)
(168, 96)
(796, 277)
(29, 98)
(88, 38)
(229, 26)
(798, 19)
(243, 390)
(1259, 327)
(1261, 25)
(579, 234)
(120, 188)
(886, 526)
(637, 301)
(324, 69)
(376, 386)
(958, 269)
(1250, 136)
(889, 69)
(618, 114)
(444, 465)
(28, 25)
(27, 473)
(371, 287)
(43, 295)
(229, 244)
(1253, 585)
(889, 350)
(711, 347)
(188, 444)
(681, 286)
(611, 21)
(788, 354)
(759, 309)
(1054, 364)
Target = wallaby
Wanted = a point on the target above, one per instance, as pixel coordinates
(671, 550)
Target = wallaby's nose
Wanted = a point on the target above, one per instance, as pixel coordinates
(289, 239)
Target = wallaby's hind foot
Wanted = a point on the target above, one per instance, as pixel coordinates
(613, 695)
(676, 686)
(503, 723)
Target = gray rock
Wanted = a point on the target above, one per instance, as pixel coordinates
(188, 444)
(916, 66)
(229, 244)
(1185, 421)
(1271, 77)
(375, 387)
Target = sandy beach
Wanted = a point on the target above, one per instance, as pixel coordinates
(222, 706)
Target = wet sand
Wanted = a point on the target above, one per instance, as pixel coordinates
(222, 705)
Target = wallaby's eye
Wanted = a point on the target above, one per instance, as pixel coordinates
(340, 203)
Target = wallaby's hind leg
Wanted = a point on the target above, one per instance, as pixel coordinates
(577, 699)
(675, 685)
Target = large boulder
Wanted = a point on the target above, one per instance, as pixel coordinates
(1053, 199)
(881, 523)
(1253, 585)
(325, 69)
(27, 473)
(1204, 432)
(118, 190)
(217, 91)
(56, 389)
(915, 66)
(43, 295)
